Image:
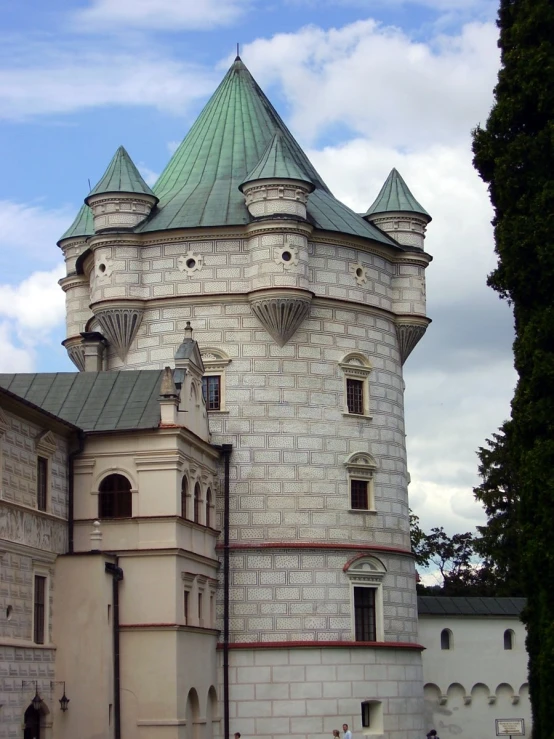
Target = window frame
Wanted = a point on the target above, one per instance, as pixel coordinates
(366, 571)
(356, 366)
(43, 474)
(215, 362)
(40, 609)
(206, 382)
(509, 640)
(361, 467)
(115, 496)
(45, 449)
(197, 503)
(185, 495)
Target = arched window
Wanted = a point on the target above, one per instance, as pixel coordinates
(446, 639)
(209, 507)
(115, 499)
(184, 495)
(197, 503)
(508, 639)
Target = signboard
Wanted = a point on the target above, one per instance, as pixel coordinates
(510, 727)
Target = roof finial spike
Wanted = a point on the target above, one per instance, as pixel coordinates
(237, 58)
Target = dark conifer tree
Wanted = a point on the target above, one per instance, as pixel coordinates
(514, 154)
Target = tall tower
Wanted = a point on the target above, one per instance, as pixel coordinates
(304, 312)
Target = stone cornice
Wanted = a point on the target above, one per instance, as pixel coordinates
(325, 645)
(74, 280)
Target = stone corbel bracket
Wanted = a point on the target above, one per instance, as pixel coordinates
(119, 322)
(75, 351)
(409, 330)
(280, 311)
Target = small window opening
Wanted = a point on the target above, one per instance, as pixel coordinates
(42, 482)
(358, 495)
(209, 507)
(186, 605)
(9, 613)
(115, 499)
(446, 639)
(191, 263)
(200, 607)
(197, 503)
(364, 614)
(366, 714)
(39, 608)
(184, 495)
(508, 639)
(286, 256)
(355, 396)
(211, 389)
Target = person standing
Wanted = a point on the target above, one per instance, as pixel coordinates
(336, 734)
(347, 733)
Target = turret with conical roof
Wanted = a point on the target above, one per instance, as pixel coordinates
(277, 185)
(398, 213)
(121, 199)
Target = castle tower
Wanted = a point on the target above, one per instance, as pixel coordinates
(301, 310)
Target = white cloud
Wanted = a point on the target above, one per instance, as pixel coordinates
(149, 175)
(35, 305)
(32, 230)
(172, 147)
(64, 79)
(381, 83)
(12, 357)
(169, 15)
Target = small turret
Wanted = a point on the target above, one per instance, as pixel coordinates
(396, 212)
(121, 199)
(277, 185)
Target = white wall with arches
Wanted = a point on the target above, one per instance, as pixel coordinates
(475, 671)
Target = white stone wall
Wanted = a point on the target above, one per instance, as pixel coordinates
(300, 692)
(477, 681)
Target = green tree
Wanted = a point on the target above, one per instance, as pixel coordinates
(514, 154)
(499, 543)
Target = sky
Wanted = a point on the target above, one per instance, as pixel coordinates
(364, 85)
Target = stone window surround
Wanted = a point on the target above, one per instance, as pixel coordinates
(215, 362)
(356, 366)
(361, 466)
(114, 471)
(366, 571)
(45, 446)
(41, 571)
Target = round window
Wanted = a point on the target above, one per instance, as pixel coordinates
(191, 263)
(286, 256)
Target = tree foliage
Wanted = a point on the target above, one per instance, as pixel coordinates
(514, 154)
(499, 543)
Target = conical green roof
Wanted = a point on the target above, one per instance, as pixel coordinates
(277, 162)
(200, 185)
(82, 225)
(121, 176)
(395, 195)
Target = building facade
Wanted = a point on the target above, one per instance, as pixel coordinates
(297, 316)
(474, 665)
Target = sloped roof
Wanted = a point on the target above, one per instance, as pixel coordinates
(277, 162)
(82, 225)
(121, 176)
(429, 605)
(395, 195)
(200, 185)
(93, 401)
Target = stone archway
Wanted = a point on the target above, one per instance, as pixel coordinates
(37, 724)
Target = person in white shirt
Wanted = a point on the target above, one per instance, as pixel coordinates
(347, 733)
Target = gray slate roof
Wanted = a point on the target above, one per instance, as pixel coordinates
(428, 605)
(93, 401)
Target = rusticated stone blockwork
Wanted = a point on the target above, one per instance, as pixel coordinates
(304, 595)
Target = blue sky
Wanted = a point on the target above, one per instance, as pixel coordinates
(364, 85)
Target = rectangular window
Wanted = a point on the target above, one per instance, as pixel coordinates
(211, 389)
(42, 482)
(364, 614)
(366, 714)
(358, 495)
(186, 606)
(39, 609)
(355, 396)
(200, 608)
